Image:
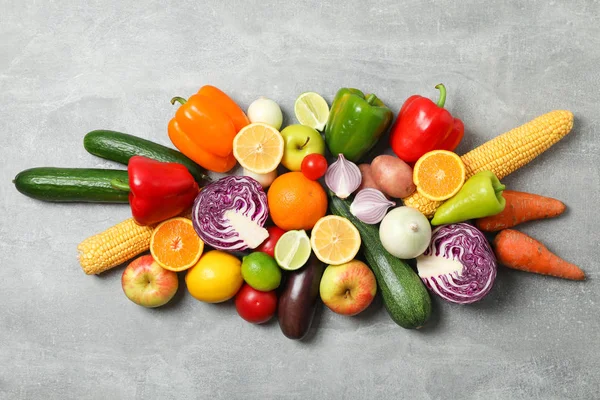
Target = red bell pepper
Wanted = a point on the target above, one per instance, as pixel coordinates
(158, 190)
(423, 126)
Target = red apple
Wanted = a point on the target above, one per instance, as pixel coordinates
(255, 306)
(148, 284)
(349, 288)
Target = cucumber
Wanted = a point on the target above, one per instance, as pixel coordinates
(120, 147)
(404, 295)
(72, 184)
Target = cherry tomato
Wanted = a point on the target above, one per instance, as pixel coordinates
(255, 306)
(268, 246)
(314, 166)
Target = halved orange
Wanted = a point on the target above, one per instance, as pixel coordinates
(258, 147)
(175, 245)
(439, 174)
(335, 240)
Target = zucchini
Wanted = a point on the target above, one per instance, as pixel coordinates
(120, 147)
(405, 297)
(72, 184)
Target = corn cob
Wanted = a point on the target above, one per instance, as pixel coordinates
(114, 246)
(507, 153)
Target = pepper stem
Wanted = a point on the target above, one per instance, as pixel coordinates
(178, 99)
(442, 99)
(305, 143)
(119, 185)
(499, 188)
(371, 99)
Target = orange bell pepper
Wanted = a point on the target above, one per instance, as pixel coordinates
(204, 127)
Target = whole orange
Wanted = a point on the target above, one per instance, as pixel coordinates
(296, 202)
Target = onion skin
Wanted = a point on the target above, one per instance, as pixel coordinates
(239, 193)
(466, 244)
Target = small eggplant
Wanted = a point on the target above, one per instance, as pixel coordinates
(299, 298)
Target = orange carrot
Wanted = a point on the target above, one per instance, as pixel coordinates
(516, 250)
(521, 207)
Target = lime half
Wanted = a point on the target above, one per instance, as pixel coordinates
(292, 250)
(311, 110)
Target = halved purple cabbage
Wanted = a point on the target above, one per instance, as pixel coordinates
(459, 264)
(229, 214)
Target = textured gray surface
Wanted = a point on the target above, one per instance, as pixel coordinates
(67, 67)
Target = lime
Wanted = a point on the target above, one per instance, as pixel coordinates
(311, 110)
(260, 271)
(292, 250)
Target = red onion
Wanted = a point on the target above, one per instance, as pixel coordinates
(459, 264)
(343, 177)
(229, 214)
(370, 206)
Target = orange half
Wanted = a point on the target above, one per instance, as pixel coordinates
(175, 245)
(439, 175)
(258, 147)
(335, 240)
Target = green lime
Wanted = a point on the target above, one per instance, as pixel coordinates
(260, 271)
(311, 110)
(292, 250)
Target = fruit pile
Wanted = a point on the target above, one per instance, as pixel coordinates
(304, 220)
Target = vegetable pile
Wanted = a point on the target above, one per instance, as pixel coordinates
(308, 219)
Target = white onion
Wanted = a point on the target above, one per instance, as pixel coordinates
(266, 111)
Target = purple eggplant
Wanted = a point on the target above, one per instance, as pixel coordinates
(299, 298)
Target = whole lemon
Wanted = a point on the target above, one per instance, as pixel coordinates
(216, 277)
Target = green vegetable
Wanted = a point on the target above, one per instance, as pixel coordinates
(120, 147)
(405, 297)
(356, 122)
(72, 184)
(480, 196)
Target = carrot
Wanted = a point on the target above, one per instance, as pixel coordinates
(521, 207)
(516, 250)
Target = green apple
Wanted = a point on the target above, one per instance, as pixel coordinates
(348, 289)
(300, 141)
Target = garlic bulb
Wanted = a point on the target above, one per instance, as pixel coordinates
(343, 177)
(370, 206)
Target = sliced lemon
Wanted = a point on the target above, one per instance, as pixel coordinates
(335, 240)
(292, 250)
(311, 110)
(258, 147)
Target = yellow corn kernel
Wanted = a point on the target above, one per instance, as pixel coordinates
(114, 246)
(507, 152)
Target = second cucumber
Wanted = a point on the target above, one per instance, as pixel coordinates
(72, 184)
(120, 147)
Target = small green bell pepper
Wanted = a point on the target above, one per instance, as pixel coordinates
(480, 196)
(356, 122)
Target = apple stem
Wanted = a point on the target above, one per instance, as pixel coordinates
(305, 143)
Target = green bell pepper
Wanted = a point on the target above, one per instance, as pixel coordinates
(480, 196)
(356, 122)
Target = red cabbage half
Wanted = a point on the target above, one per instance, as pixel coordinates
(229, 214)
(459, 264)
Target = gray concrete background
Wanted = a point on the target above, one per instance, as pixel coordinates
(68, 67)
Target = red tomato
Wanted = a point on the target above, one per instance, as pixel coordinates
(314, 166)
(268, 246)
(255, 306)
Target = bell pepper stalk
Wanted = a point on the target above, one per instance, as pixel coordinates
(423, 126)
(480, 196)
(356, 123)
(204, 126)
(157, 190)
